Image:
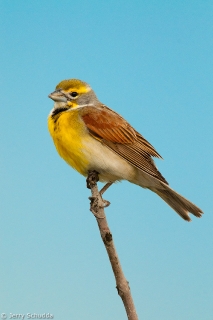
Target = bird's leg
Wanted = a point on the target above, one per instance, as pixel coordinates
(96, 201)
(91, 181)
(107, 185)
(92, 178)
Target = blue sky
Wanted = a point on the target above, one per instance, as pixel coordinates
(151, 61)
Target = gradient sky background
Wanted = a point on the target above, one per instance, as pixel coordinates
(151, 61)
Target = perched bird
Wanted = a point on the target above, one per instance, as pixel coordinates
(90, 136)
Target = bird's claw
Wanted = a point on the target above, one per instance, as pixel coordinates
(92, 178)
(94, 203)
(106, 203)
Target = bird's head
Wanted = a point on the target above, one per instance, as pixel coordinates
(73, 94)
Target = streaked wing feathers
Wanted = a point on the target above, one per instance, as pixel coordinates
(117, 134)
(108, 125)
(138, 159)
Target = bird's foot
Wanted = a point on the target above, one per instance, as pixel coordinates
(106, 203)
(92, 178)
(94, 203)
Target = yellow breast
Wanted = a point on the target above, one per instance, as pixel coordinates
(68, 132)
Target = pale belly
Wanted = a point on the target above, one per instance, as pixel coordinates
(110, 166)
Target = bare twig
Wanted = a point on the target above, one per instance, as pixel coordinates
(97, 206)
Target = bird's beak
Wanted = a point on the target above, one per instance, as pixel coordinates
(57, 96)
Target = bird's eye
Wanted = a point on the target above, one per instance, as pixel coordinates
(73, 94)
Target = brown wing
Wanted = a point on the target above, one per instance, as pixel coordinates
(117, 134)
(108, 125)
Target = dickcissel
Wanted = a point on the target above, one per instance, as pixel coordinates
(90, 136)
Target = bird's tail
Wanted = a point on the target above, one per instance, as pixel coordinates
(181, 205)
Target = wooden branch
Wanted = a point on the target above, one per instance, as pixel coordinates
(97, 206)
